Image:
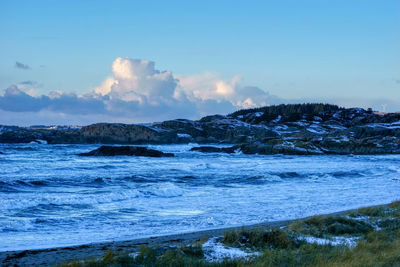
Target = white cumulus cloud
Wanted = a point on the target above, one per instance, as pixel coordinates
(138, 80)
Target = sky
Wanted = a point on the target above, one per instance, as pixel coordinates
(81, 62)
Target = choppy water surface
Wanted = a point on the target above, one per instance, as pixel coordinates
(51, 197)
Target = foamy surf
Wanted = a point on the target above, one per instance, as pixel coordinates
(49, 197)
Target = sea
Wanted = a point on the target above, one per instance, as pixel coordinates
(50, 197)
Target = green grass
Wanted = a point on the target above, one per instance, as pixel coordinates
(323, 226)
(378, 231)
(259, 238)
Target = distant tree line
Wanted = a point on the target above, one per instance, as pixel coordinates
(291, 112)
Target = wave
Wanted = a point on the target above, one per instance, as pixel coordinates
(289, 175)
(167, 189)
(24, 148)
(21, 184)
(88, 197)
(347, 174)
(252, 180)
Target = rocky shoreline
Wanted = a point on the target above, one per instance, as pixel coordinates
(302, 129)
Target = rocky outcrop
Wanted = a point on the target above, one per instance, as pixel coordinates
(107, 151)
(24, 135)
(216, 129)
(301, 129)
(386, 145)
(113, 133)
(280, 147)
(19, 136)
(7, 128)
(100, 133)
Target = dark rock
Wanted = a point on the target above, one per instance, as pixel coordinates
(200, 139)
(20, 136)
(370, 130)
(6, 128)
(118, 133)
(25, 135)
(192, 128)
(213, 149)
(212, 118)
(226, 129)
(280, 147)
(106, 151)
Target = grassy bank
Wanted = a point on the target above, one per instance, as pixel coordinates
(364, 237)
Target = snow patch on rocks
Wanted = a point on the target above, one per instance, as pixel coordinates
(183, 135)
(215, 251)
(335, 241)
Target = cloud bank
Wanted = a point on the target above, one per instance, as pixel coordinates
(135, 92)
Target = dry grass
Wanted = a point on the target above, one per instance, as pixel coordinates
(259, 238)
(280, 247)
(325, 226)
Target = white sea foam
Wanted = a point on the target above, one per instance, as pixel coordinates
(165, 190)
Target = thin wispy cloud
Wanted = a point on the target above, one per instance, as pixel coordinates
(22, 66)
(32, 83)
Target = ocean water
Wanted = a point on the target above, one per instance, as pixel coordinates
(49, 197)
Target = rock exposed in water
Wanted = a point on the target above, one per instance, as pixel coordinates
(213, 149)
(107, 151)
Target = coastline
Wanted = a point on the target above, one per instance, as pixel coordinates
(53, 256)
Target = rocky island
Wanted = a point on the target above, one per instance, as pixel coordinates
(297, 129)
(108, 151)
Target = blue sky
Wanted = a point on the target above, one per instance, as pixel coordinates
(347, 52)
